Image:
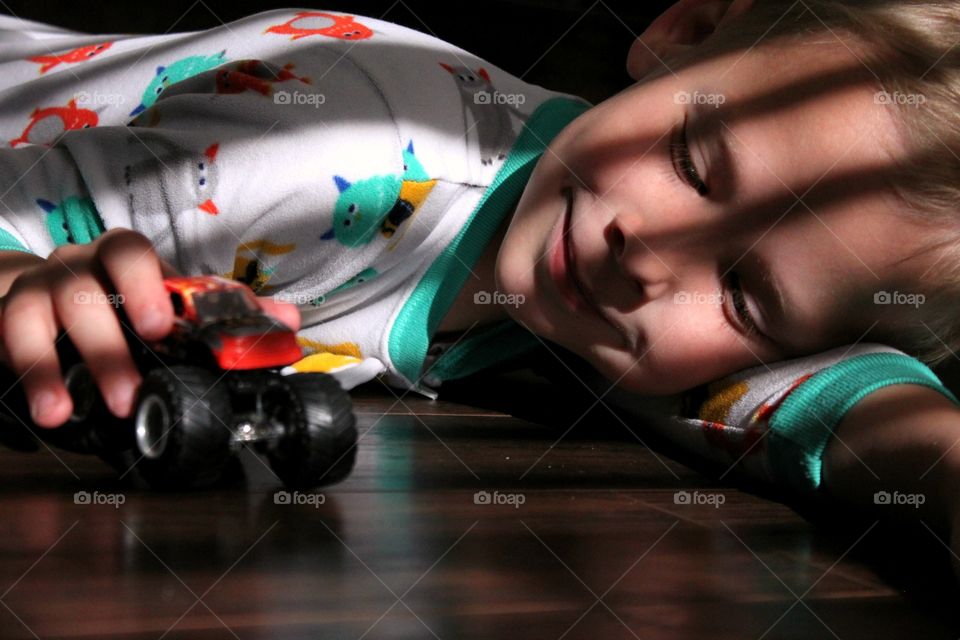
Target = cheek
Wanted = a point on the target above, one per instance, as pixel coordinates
(687, 347)
(570, 157)
(514, 271)
(524, 244)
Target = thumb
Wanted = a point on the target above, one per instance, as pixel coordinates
(285, 312)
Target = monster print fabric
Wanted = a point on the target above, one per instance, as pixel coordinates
(330, 160)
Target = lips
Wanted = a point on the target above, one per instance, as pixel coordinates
(563, 265)
(563, 271)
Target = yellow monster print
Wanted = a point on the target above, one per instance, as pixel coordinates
(249, 268)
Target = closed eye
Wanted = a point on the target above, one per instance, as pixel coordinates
(683, 163)
(748, 324)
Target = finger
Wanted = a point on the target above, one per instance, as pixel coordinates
(285, 312)
(90, 316)
(29, 329)
(168, 270)
(135, 270)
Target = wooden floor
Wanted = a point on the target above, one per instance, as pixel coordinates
(587, 541)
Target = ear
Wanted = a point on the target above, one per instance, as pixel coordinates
(683, 26)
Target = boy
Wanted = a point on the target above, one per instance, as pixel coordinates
(643, 234)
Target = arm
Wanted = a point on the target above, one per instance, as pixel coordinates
(901, 438)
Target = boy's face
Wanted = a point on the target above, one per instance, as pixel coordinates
(654, 257)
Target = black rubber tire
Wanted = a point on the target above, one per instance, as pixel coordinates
(320, 444)
(91, 428)
(96, 431)
(197, 444)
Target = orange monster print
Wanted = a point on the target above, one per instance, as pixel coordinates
(255, 75)
(318, 23)
(48, 124)
(79, 54)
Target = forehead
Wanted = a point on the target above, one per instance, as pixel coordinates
(803, 112)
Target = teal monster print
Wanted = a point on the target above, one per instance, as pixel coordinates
(412, 169)
(367, 274)
(179, 70)
(74, 221)
(379, 203)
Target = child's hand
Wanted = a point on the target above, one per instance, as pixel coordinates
(69, 291)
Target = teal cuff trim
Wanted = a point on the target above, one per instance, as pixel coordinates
(804, 423)
(488, 347)
(8, 242)
(431, 299)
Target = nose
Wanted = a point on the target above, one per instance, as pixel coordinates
(645, 267)
(655, 261)
(615, 240)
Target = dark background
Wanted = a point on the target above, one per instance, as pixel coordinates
(575, 46)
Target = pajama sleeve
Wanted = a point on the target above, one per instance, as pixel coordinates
(773, 422)
(804, 421)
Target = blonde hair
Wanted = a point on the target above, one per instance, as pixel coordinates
(910, 47)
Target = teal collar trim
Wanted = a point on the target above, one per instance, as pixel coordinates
(494, 344)
(431, 299)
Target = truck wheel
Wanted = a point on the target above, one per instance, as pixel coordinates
(319, 446)
(91, 428)
(83, 391)
(181, 430)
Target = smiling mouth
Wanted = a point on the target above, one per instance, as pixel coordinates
(569, 258)
(577, 291)
(573, 289)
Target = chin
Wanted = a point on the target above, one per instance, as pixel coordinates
(527, 315)
(641, 380)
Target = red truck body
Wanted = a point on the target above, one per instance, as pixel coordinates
(228, 318)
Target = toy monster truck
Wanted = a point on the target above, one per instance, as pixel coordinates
(212, 386)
